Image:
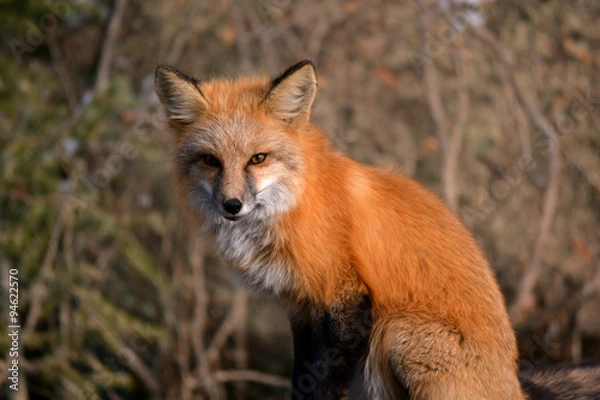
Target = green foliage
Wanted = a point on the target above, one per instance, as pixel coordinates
(59, 185)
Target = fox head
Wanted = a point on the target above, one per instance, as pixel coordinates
(237, 141)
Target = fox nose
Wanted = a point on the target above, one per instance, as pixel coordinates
(232, 206)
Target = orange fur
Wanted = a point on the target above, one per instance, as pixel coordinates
(344, 230)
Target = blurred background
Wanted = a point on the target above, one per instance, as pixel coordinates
(494, 105)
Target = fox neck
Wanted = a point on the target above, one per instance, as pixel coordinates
(300, 255)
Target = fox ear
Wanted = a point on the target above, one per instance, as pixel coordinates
(179, 95)
(291, 94)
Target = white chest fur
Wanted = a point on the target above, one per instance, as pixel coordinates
(247, 246)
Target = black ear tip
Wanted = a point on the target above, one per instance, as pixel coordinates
(299, 65)
(305, 62)
(161, 69)
(165, 68)
(291, 70)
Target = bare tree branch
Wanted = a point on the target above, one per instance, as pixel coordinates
(432, 91)
(449, 171)
(592, 176)
(525, 300)
(183, 34)
(142, 371)
(200, 318)
(38, 289)
(183, 356)
(242, 39)
(252, 376)
(241, 343)
(568, 305)
(322, 27)
(108, 45)
(61, 72)
(269, 50)
(235, 316)
(450, 140)
(521, 124)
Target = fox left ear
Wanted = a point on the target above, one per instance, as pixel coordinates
(180, 95)
(291, 95)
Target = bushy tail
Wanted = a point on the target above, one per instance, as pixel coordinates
(565, 382)
(380, 381)
(414, 356)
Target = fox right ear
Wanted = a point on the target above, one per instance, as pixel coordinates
(291, 95)
(179, 95)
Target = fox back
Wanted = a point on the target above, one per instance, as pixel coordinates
(387, 292)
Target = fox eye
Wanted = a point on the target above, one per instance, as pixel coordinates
(211, 161)
(258, 158)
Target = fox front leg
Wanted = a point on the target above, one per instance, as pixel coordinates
(328, 349)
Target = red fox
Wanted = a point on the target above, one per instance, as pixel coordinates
(388, 294)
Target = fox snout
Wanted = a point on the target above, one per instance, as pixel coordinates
(232, 206)
(233, 193)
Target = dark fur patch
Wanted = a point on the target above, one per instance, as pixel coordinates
(329, 349)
